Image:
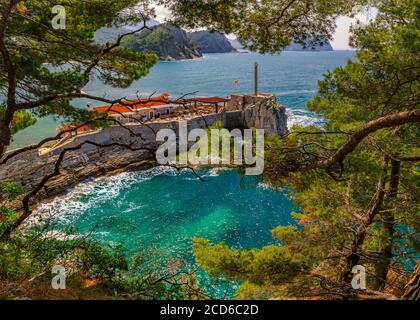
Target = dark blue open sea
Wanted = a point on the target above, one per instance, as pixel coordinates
(292, 76)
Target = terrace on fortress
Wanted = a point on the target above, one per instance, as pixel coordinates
(163, 108)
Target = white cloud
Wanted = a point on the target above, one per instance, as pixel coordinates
(161, 13)
(342, 34)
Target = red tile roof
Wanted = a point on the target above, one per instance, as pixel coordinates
(130, 105)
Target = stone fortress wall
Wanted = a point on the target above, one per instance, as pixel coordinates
(29, 168)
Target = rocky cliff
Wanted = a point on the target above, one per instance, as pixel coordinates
(262, 112)
(211, 42)
(166, 41)
(29, 168)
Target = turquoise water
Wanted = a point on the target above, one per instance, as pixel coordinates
(163, 210)
(292, 76)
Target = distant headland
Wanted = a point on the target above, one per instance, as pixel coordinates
(169, 42)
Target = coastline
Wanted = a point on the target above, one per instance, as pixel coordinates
(135, 167)
(290, 76)
(82, 156)
(101, 174)
(204, 56)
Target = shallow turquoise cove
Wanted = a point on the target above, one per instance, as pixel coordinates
(162, 210)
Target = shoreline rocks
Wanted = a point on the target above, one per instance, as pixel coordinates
(30, 167)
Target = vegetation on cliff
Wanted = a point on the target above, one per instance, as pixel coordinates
(166, 41)
(211, 42)
(173, 43)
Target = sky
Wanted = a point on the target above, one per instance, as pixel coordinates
(342, 34)
(341, 37)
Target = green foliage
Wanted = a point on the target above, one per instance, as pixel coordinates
(150, 41)
(273, 264)
(224, 136)
(102, 263)
(164, 41)
(26, 256)
(10, 190)
(32, 254)
(382, 81)
(266, 26)
(58, 63)
(21, 119)
(7, 218)
(141, 277)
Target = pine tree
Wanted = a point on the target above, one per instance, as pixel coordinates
(356, 181)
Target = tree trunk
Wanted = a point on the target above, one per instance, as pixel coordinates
(412, 291)
(355, 139)
(388, 227)
(353, 258)
(5, 137)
